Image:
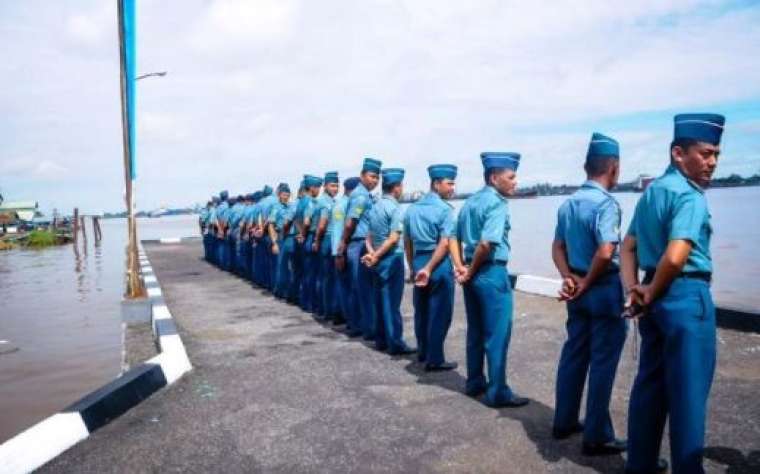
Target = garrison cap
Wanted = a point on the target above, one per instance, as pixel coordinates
(442, 171)
(701, 127)
(372, 165)
(500, 159)
(392, 175)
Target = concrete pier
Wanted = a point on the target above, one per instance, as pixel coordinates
(274, 391)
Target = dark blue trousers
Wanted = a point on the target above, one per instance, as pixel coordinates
(345, 297)
(207, 246)
(361, 285)
(221, 252)
(676, 369)
(388, 283)
(232, 257)
(310, 267)
(488, 304)
(296, 281)
(433, 309)
(284, 262)
(595, 338)
(328, 290)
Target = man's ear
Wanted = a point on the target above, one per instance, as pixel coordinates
(677, 154)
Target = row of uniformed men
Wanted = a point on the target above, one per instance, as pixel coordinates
(343, 258)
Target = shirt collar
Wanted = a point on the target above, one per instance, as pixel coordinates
(673, 169)
(590, 183)
(391, 197)
(490, 189)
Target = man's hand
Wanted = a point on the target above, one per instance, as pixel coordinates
(370, 260)
(340, 262)
(275, 248)
(299, 238)
(422, 278)
(315, 246)
(568, 288)
(463, 275)
(258, 233)
(641, 294)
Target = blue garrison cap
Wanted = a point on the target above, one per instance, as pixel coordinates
(350, 183)
(266, 191)
(392, 175)
(224, 195)
(500, 159)
(701, 127)
(602, 146)
(257, 196)
(310, 181)
(215, 199)
(249, 197)
(372, 165)
(283, 188)
(332, 177)
(442, 171)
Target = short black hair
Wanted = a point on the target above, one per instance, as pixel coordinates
(388, 187)
(599, 165)
(684, 143)
(490, 172)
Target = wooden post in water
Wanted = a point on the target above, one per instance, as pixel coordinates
(84, 229)
(75, 229)
(96, 228)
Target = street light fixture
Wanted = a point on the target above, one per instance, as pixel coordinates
(151, 74)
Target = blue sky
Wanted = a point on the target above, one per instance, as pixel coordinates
(263, 91)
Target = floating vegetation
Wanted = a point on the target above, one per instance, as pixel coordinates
(41, 238)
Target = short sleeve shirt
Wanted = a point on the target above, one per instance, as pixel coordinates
(672, 208)
(485, 217)
(589, 218)
(427, 221)
(385, 217)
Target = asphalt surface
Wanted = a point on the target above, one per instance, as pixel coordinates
(272, 390)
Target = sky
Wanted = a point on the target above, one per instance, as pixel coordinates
(263, 91)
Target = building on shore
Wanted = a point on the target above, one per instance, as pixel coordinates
(25, 210)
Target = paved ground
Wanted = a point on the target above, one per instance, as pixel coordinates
(274, 391)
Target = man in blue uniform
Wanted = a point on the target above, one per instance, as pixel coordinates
(585, 253)
(221, 229)
(325, 304)
(428, 229)
(233, 236)
(386, 259)
(310, 257)
(207, 228)
(483, 245)
(669, 238)
(298, 254)
(247, 230)
(342, 277)
(282, 246)
(361, 318)
(264, 256)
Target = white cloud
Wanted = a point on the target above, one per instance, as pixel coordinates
(263, 91)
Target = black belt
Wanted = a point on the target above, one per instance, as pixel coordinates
(490, 262)
(607, 272)
(423, 252)
(704, 276)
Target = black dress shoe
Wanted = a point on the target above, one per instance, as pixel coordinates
(441, 367)
(354, 333)
(662, 467)
(616, 446)
(474, 392)
(513, 402)
(558, 433)
(406, 350)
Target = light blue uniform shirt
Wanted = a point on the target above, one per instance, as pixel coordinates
(301, 205)
(289, 215)
(265, 207)
(235, 214)
(211, 219)
(221, 212)
(589, 218)
(485, 216)
(277, 215)
(311, 210)
(385, 217)
(429, 220)
(320, 209)
(672, 208)
(358, 204)
(204, 215)
(337, 222)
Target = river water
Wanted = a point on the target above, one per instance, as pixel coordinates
(60, 306)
